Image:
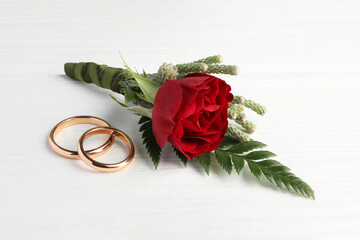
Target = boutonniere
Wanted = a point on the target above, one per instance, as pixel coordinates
(196, 113)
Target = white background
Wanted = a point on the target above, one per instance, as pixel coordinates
(299, 58)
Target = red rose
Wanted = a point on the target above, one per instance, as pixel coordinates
(191, 113)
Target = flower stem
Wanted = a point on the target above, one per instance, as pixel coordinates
(103, 76)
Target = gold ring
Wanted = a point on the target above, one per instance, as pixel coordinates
(105, 167)
(78, 120)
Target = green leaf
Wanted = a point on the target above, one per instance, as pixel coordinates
(280, 175)
(136, 109)
(149, 140)
(274, 165)
(256, 155)
(273, 170)
(254, 169)
(182, 157)
(238, 162)
(144, 73)
(141, 111)
(141, 96)
(130, 95)
(224, 160)
(121, 104)
(143, 120)
(205, 161)
(228, 142)
(247, 146)
(148, 87)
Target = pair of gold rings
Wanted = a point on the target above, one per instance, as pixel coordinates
(87, 155)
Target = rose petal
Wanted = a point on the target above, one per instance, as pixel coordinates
(211, 107)
(166, 105)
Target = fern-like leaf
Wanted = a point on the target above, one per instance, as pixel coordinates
(238, 162)
(280, 175)
(242, 147)
(257, 155)
(228, 142)
(205, 162)
(254, 169)
(130, 95)
(235, 153)
(224, 160)
(149, 141)
(182, 157)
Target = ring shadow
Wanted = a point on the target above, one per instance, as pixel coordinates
(68, 159)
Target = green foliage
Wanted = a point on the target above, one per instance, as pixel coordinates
(205, 161)
(135, 109)
(211, 59)
(238, 162)
(120, 103)
(280, 175)
(224, 160)
(228, 142)
(256, 155)
(242, 147)
(130, 95)
(182, 157)
(148, 87)
(256, 107)
(233, 153)
(149, 140)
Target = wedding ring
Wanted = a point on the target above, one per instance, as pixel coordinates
(105, 167)
(79, 120)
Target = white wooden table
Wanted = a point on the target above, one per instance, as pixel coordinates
(299, 58)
